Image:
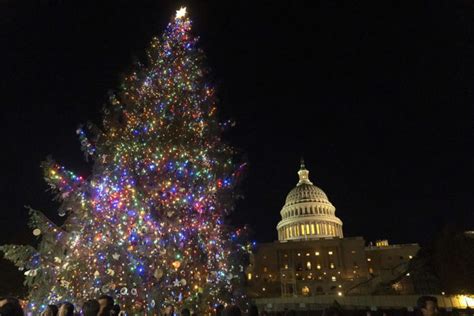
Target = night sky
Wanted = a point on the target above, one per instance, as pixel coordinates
(376, 96)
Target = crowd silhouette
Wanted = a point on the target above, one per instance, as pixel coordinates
(105, 306)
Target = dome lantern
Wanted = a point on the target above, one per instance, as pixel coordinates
(303, 173)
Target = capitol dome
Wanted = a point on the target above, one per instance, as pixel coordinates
(308, 213)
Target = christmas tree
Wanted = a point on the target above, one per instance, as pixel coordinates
(147, 226)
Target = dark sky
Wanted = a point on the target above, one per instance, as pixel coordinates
(377, 96)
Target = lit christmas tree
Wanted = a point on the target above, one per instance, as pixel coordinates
(147, 227)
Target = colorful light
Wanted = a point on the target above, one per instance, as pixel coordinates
(148, 225)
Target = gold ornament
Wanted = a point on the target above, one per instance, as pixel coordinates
(158, 273)
(176, 264)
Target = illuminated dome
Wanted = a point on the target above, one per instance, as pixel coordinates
(306, 192)
(308, 213)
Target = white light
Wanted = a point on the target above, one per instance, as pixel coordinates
(181, 13)
(339, 293)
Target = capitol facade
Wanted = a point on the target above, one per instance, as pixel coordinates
(312, 258)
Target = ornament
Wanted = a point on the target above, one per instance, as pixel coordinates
(110, 272)
(134, 292)
(105, 289)
(21, 268)
(65, 283)
(124, 291)
(96, 273)
(170, 213)
(152, 304)
(36, 232)
(116, 256)
(57, 260)
(176, 264)
(162, 252)
(158, 273)
(176, 283)
(183, 282)
(31, 273)
(62, 213)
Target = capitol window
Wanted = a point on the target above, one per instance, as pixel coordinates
(330, 253)
(333, 278)
(317, 253)
(308, 265)
(305, 290)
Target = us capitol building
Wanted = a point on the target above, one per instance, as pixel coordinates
(313, 259)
